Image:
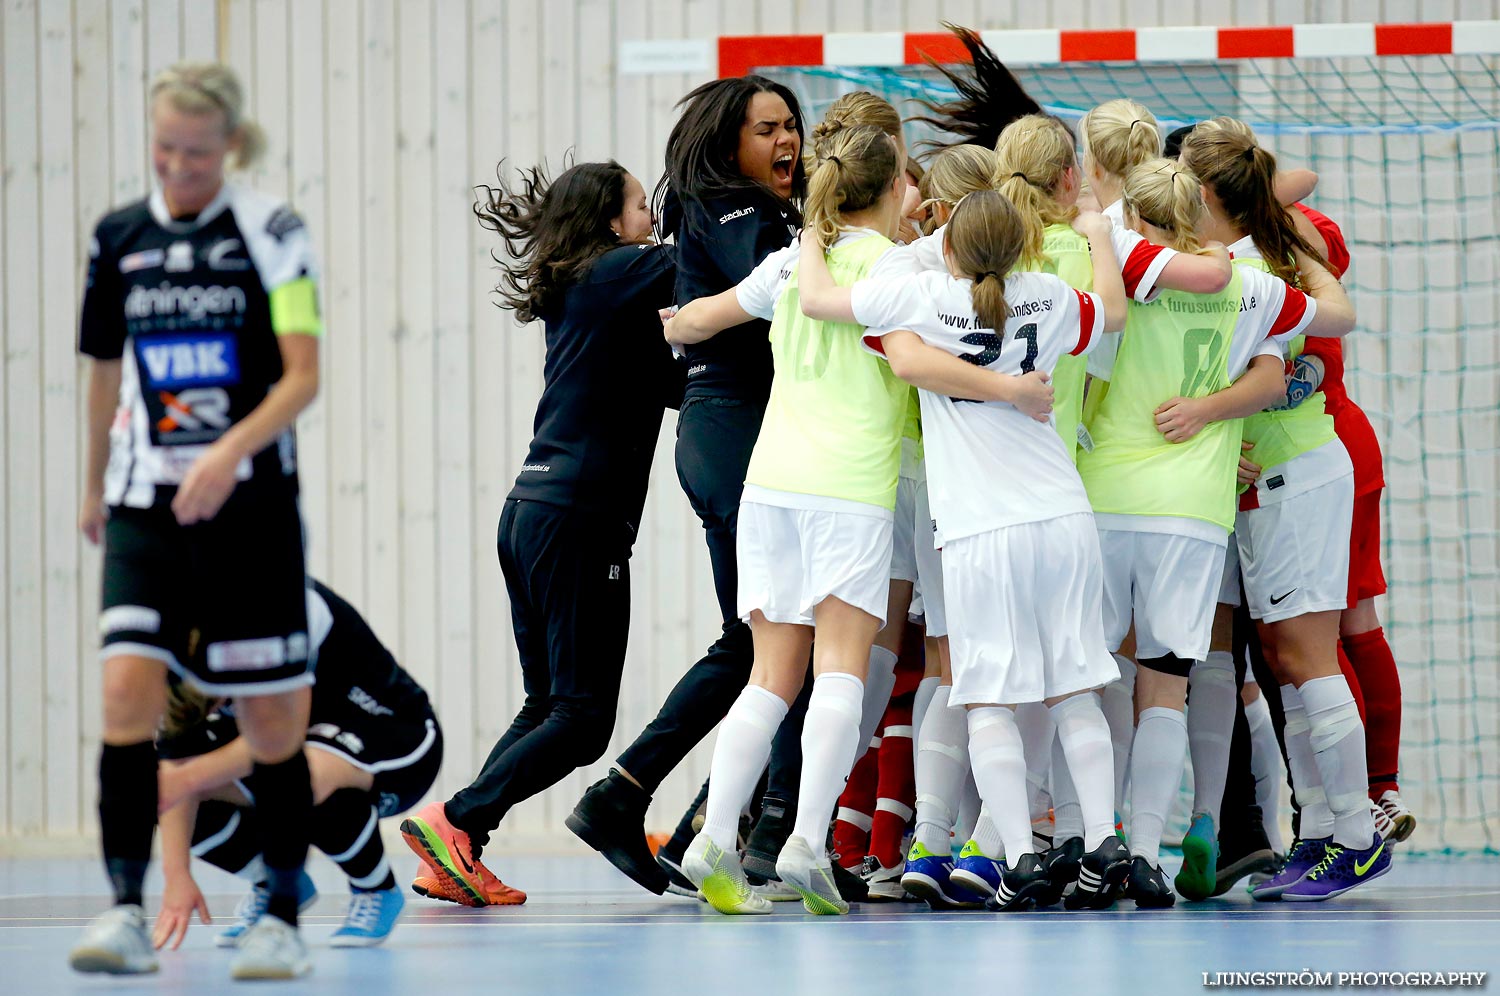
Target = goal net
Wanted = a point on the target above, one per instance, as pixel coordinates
(1407, 149)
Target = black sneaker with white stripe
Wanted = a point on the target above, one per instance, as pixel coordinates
(1022, 887)
(1101, 876)
(1062, 864)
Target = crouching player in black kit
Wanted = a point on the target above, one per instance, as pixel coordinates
(373, 747)
(201, 316)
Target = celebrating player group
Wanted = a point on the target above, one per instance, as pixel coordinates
(1027, 474)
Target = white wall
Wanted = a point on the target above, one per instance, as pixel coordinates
(382, 117)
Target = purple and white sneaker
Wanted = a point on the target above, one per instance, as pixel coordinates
(1301, 859)
(1341, 869)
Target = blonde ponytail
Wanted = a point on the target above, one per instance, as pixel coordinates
(1031, 158)
(206, 87)
(1168, 197)
(854, 167)
(1119, 135)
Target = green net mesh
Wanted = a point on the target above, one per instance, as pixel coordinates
(1408, 154)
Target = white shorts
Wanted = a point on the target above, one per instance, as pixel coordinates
(1295, 553)
(929, 566)
(791, 559)
(1026, 603)
(903, 542)
(1229, 585)
(1168, 584)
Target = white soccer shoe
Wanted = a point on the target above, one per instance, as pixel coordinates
(115, 943)
(272, 949)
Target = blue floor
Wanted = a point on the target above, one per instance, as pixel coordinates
(586, 929)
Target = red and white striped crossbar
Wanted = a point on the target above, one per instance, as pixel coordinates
(738, 54)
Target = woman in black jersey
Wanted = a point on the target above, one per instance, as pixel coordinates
(729, 195)
(373, 747)
(201, 317)
(584, 265)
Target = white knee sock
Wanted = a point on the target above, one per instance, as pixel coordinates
(879, 680)
(1083, 738)
(942, 762)
(1210, 725)
(830, 738)
(969, 805)
(920, 702)
(1265, 765)
(999, 763)
(987, 835)
(740, 756)
(1316, 819)
(1117, 699)
(1067, 814)
(1037, 734)
(1338, 743)
(1155, 772)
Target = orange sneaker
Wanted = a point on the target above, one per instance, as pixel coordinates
(433, 887)
(447, 851)
(496, 891)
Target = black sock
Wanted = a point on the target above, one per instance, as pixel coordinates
(127, 815)
(283, 799)
(225, 835)
(346, 828)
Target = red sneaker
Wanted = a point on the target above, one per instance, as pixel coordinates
(496, 891)
(447, 851)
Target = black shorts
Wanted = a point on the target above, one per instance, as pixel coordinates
(222, 603)
(402, 752)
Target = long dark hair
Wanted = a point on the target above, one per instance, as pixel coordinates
(1243, 176)
(989, 98)
(703, 143)
(553, 229)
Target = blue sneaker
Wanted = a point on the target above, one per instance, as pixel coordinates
(1341, 869)
(927, 877)
(976, 873)
(371, 918)
(253, 907)
(1200, 860)
(1301, 859)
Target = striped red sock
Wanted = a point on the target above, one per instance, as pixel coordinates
(1375, 665)
(851, 828)
(896, 791)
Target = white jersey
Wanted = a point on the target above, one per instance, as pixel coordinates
(988, 465)
(759, 292)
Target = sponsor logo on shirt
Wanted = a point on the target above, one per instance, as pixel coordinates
(1200, 306)
(742, 212)
(1031, 308)
(536, 468)
(1275, 482)
(220, 256)
(283, 222)
(614, 572)
(193, 302)
(325, 730)
(191, 360)
(146, 259)
(367, 702)
(179, 257)
(694, 371)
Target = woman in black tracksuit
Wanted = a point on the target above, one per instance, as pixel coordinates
(584, 265)
(734, 177)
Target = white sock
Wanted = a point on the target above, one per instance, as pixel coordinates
(1037, 734)
(1265, 765)
(1338, 743)
(1083, 738)
(1155, 772)
(1316, 819)
(999, 763)
(1117, 699)
(969, 805)
(740, 755)
(987, 835)
(879, 680)
(830, 738)
(1210, 725)
(942, 762)
(1067, 814)
(920, 702)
